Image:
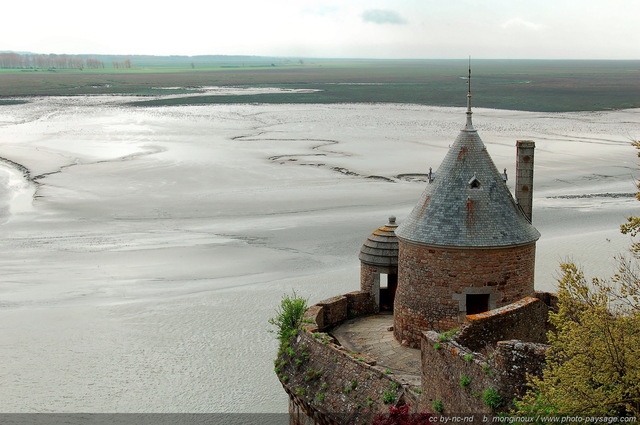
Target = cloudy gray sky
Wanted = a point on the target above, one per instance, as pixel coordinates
(547, 29)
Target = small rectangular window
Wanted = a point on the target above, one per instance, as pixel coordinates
(384, 281)
(477, 303)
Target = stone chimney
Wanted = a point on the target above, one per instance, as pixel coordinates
(524, 176)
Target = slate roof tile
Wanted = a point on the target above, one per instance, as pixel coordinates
(468, 203)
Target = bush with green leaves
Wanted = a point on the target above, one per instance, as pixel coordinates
(492, 398)
(446, 336)
(593, 365)
(464, 381)
(389, 397)
(288, 316)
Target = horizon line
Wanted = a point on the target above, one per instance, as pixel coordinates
(312, 57)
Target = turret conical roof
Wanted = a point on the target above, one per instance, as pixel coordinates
(468, 203)
(381, 247)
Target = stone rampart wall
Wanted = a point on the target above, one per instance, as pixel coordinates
(461, 381)
(445, 365)
(523, 320)
(333, 311)
(483, 367)
(328, 384)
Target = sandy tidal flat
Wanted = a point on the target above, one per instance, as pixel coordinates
(144, 249)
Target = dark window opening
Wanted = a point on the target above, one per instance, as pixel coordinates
(477, 303)
(388, 291)
(474, 183)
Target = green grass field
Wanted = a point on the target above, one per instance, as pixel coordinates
(532, 85)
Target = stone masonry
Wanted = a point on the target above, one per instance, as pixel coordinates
(463, 258)
(432, 284)
(328, 384)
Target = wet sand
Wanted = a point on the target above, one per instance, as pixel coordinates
(140, 276)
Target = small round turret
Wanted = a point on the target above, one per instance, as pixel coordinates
(379, 265)
(381, 247)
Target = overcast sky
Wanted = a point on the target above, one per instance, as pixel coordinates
(546, 29)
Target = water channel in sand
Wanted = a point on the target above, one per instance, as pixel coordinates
(140, 275)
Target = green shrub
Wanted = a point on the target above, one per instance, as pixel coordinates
(312, 375)
(492, 398)
(288, 316)
(593, 364)
(464, 381)
(446, 336)
(438, 406)
(389, 397)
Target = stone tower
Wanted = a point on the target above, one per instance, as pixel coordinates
(466, 247)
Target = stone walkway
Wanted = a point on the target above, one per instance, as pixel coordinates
(371, 335)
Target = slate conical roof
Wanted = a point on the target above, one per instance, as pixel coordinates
(468, 203)
(381, 247)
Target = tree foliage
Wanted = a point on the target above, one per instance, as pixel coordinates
(593, 365)
(288, 316)
(10, 60)
(632, 226)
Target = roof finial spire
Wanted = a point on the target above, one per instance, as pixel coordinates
(469, 125)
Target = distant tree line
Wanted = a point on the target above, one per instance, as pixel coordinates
(124, 64)
(10, 60)
(94, 63)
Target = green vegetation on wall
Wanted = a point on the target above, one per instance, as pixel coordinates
(288, 316)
